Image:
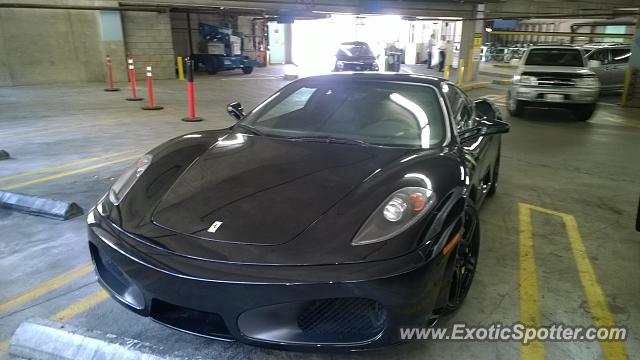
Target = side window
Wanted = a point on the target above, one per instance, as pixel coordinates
(461, 107)
(293, 102)
(600, 55)
(620, 56)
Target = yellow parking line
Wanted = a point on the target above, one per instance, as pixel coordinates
(62, 166)
(42, 130)
(530, 313)
(72, 310)
(596, 299)
(67, 173)
(80, 306)
(45, 287)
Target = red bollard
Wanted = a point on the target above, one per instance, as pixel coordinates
(110, 76)
(132, 81)
(152, 101)
(190, 94)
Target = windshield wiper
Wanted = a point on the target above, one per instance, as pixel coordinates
(249, 128)
(329, 139)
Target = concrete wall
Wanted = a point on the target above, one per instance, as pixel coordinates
(148, 39)
(49, 46)
(39, 46)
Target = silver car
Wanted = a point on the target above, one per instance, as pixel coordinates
(611, 66)
(554, 77)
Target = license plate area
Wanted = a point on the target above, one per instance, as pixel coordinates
(554, 97)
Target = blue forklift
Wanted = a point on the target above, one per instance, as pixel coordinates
(221, 48)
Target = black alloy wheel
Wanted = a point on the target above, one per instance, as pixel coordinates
(466, 260)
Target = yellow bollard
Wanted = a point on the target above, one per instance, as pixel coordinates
(461, 72)
(446, 72)
(469, 74)
(180, 68)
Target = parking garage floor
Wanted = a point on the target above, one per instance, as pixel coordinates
(71, 141)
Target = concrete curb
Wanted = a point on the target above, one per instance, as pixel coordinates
(495, 74)
(501, 82)
(474, 85)
(507, 66)
(45, 339)
(39, 206)
(4, 155)
(290, 76)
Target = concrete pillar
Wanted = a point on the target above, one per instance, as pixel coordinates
(631, 94)
(471, 42)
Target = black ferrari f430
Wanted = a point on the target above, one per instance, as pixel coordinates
(339, 210)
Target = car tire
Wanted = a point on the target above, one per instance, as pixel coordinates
(212, 68)
(466, 260)
(247, 69)
(583, 112)
(515, 106)
(494, 177)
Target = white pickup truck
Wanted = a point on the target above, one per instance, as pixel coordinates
(554, 77)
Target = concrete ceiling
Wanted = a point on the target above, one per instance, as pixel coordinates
(494, 9)
(430, 8)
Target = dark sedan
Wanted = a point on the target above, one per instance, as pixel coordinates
(355, 56)
(337, 211)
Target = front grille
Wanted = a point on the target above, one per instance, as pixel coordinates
(559, 79)
(347, 319)
(193, 321)
(546, 81)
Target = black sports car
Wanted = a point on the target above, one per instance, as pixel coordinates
(355, 56)
(337, 211)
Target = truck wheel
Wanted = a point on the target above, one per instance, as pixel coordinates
(515, 106)
(247, 69)
(212, 68)
(583, 112)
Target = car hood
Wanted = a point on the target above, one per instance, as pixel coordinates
(556, 69)
(264, 191)
(358, 59)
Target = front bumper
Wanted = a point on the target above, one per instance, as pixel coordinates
(300, 315)
(554, 95)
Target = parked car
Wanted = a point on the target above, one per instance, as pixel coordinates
(554, 77)
(355, 56)
(339, 209)
(610, 65)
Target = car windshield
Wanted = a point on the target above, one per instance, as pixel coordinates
(555, 57)
(351, 50)
(352, 111)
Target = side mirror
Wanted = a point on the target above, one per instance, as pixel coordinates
(594, 63)
(484, 127)
(486, 110)
(378, 56)
(488, 122)
(236, 110)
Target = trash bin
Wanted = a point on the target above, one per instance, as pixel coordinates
(392, 63)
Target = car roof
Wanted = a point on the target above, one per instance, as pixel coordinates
(610, 46)
(354, 43)
(554, 47)
(380, 76)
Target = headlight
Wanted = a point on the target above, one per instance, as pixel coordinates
(400, 210)
(590, 81)
(374, 67)
(340, 64)
(124, 183)
(525, 80)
